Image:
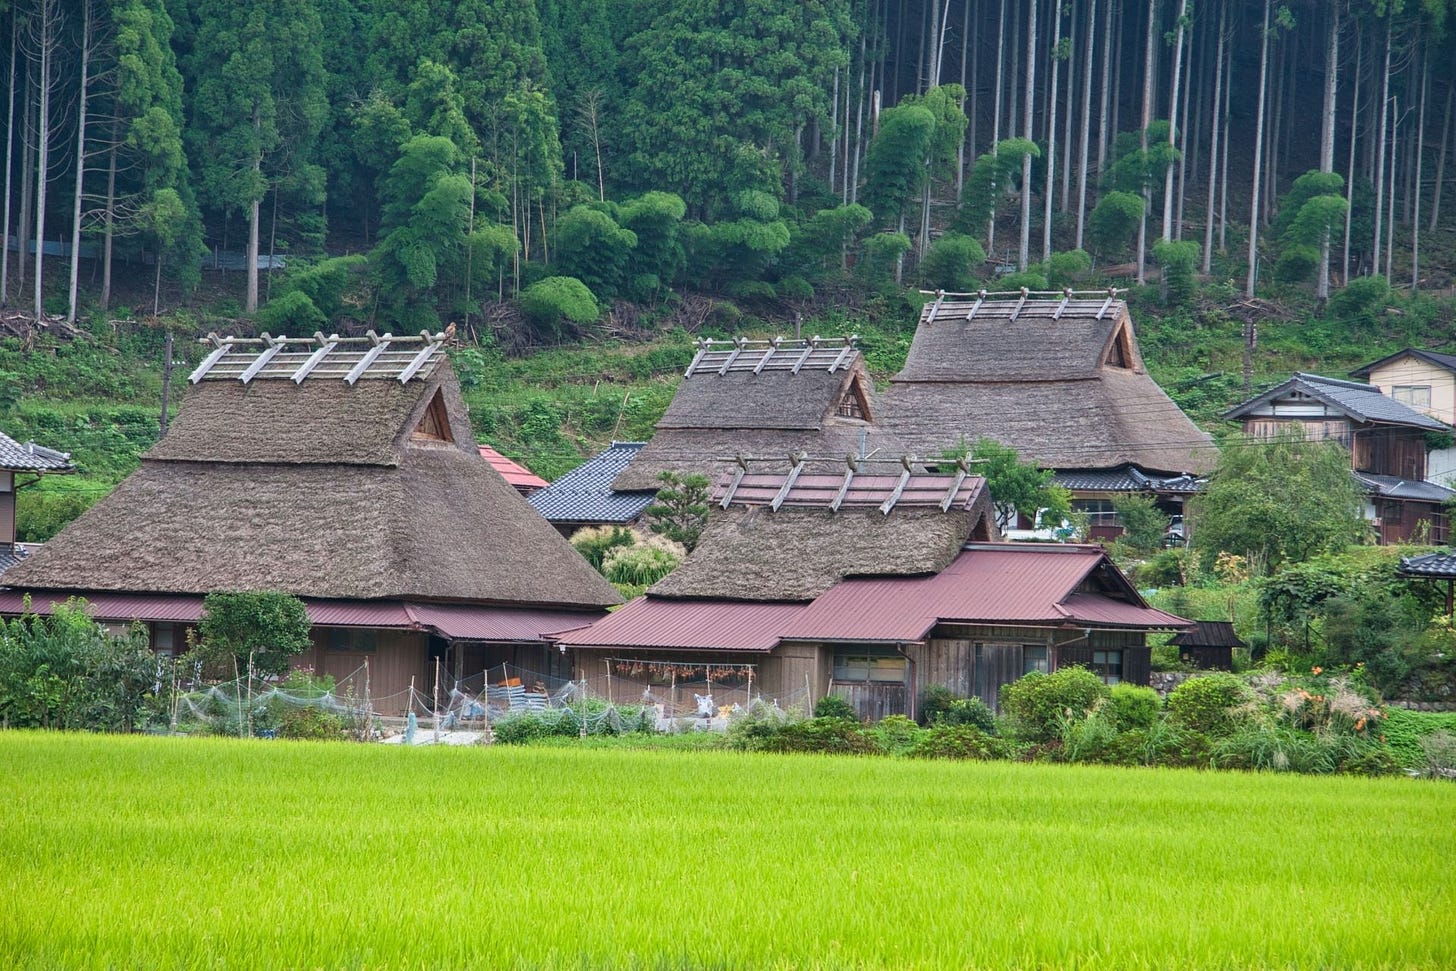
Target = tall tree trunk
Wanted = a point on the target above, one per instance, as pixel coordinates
(109, 231)
(254, 220)
(1184, 140)
(27, 176)
(1173, 119)
(86, 42)
(1149, 68)
(1416, 193)
(1327, 139)
(1375, 250)
(1025, 251)
(1086, 122)
(1354, 140)
(48, 34)
(996, 117)
(1067, 129)
(1104, 102)
(10, 156)
(1390, 226)
(968, 83)
(1440, 159)
(1258, 154)
(859, 113)
(1213, 146)
(1223, 120)
(1051, 156)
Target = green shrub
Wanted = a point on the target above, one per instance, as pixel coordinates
(642, 564)
(1438, 755)
(555, 299)
(1275, 749)
(896, 734)
(970, 711)
(1164, 744)
(956, 742)
(291, 313)
(1210, 703)
(833, 706)
(1086, 737)
(1037, 703)
(1143, 523)
(522, 728)
(594, 542)
(1178, 279)
(1134, 706)
(831, 736)
(951, 263)
(310, 722)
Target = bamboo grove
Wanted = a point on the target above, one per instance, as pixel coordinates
(463, 150)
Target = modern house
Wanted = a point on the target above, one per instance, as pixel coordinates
(745, 403)
(343, 471)
(1424, 381)
(871, 587)
(16, 459)
(1060, 379)
(584, 496)
(517, 476)
(1388, 443)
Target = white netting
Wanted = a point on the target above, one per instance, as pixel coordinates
(630, 696)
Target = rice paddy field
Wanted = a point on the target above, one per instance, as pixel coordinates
(135, 852)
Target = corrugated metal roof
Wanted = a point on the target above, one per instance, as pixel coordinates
(585, 494)
(1363, 402)
(1208, 633)
(31, 457)
(518, 476)
(986, 584)
(464, 622)
(1394, 487)
(652, 622)
(860, 491)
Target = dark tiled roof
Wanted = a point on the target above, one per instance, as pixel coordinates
(1447, 361)
(31, 457)
(1208, 633)
(11, 554)
(1128, 478)
(1394, 487)
(585, 494)
(1363, 402)
(1430, 565)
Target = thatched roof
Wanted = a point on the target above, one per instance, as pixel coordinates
(379, 509)
(1061, 381)
(767, 401)
(751, 552)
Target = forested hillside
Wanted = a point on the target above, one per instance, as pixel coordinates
(559, 172)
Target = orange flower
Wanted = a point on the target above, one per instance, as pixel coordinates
(1360, 725)
(1317, 670)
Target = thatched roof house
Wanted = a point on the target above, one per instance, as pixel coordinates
(337, 470)
(764, 401)
(1058, 378)
(868, 586)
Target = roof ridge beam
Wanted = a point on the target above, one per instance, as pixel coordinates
(789, 480)
(773, 345)
(962, 470)
(380, 345)
(221, 345)
(738, 346)
(899, 490)
(275, 344)
(432, 344)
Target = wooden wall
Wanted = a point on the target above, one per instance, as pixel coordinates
(398, 655)
(1391, 451)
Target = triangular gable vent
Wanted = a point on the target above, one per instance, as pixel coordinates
(1120, 353)
(854, 403)
(434, 424)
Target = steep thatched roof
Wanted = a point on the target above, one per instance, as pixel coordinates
(752, 552)
(764, 400)
(394, 502)
(1062, 382)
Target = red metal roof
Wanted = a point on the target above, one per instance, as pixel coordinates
(985, 584)
(655, 622)
(517, 476)
(464, 622)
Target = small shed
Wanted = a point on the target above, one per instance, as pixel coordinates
(1433, 566)
(1209, 644)
(585, 497)
(22, 459)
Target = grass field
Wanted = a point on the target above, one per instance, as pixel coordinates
(141, 852)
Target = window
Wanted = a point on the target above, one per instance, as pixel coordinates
(1415, 395)
(871, 667)
(164, 638)
(1099, 511)
(1108, 664)
(434, 424)
(353, 640)
(1035, 659)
